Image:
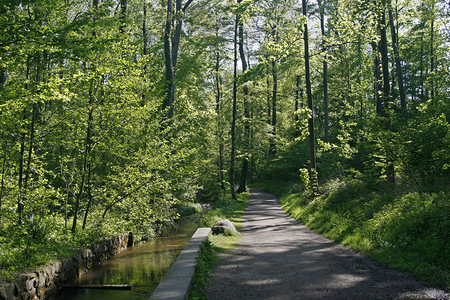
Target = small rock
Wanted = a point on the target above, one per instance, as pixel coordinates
(224, 226)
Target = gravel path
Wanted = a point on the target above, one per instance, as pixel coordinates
(280, 258)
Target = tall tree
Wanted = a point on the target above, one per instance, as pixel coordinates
(245, 159)
(325, 71)
(312, 142)
(234, 109)
(398, 65)
(172, 38)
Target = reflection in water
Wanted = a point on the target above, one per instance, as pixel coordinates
(143, 266)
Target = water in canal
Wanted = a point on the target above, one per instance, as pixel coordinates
(143, 266)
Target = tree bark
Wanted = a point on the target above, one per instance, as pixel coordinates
(123, 14)
(2, 184)
(378, 80)
(312, 146)
(20, 204)
(401, 87)
(390, 175)
(170, 83)
(86, 158)
(233, 122)
(89, 192)
(87, 145)
(297, 98)
(269, 98)
(273, 146)
(245, 159)
(432, 56)
(171, 46)
(219, 122)
(325, 72)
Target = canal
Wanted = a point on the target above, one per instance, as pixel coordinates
(143, 266)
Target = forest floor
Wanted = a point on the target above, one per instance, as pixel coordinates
(279, 258)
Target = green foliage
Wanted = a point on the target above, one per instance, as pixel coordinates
(188, 209)
(425, 152)
(406, 230)
(207, 259)
(225, 208)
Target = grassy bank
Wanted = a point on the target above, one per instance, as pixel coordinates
(404, 229)
(223, 209)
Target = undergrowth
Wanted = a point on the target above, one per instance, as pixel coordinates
(225, 208)
(403, 229)
(41, 239)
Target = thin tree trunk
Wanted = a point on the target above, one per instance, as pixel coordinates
(30, 148)
(87, 150)
(384, 61)
(432, 56)
(245, 159)
(170, 83)
(297, 98)
(2, 184)
(123, 14)
(32, 133)
(87, 146)
(219, 122)
(144, 50)
(233, 122)
(312, 146)
(325, 72)
(89, 192)
(378, 80)
(401, 87)
(20, 204)
(269, 106)
(422, 89)
(144, 33)
(273, 146)
(390, 175)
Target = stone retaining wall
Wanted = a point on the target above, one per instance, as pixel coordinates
(45, 281)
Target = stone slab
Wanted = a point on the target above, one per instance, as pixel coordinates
(177, 282)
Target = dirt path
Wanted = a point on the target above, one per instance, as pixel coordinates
(281, 259)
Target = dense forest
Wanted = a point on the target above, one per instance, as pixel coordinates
(113, 113)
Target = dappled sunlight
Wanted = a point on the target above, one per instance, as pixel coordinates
(281, 258)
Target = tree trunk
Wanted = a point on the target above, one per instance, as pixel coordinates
(245, 159)
(297, 98)
(233, 122)
(170, 83)
(378, 80)
(123, 14)
(87, 145)
(2, 184)
(20, 205)
(390, 175)
(87, 150)
(401, 87)
(144, 50)
(273, 146)
(89, 192)
(219, 122)
(384, 62)
(269, 106)
(171, 46)
(312, 146)
(432, 56)
(325, 72)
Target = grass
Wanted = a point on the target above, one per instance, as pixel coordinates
(404, 229)
(209, 251)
